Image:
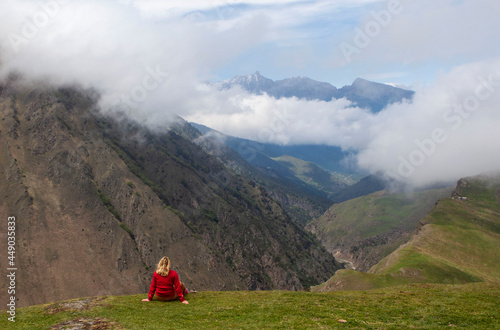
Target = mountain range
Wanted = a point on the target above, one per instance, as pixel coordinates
(99, 199)
(318, 170)
(362, 93)
(290, 174)
(256, 153)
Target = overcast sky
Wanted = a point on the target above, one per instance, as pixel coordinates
(151, 57)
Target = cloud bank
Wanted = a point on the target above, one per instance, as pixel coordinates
(449, 130)
(149, 58)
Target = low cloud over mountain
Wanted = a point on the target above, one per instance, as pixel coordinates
(448, 130)
(152, 64)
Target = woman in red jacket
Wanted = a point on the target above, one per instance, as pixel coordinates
(166, 284)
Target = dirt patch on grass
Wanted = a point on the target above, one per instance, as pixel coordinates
(87, 323)
(77, 304)
(411, 272)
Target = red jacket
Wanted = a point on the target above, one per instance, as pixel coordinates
(166, 286)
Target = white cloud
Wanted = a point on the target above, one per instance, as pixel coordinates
(417, 33)
(156, 53)
(159, 7)
(281, 121)
(113, 47)
(450, 130)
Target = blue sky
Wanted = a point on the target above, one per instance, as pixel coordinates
(304, 38)
(313, 45)
(416, 42)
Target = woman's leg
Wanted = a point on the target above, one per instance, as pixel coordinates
(184, 290)
(166, 298)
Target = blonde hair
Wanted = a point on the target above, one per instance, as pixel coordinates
(163, 267)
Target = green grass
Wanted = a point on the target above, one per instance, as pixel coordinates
(346, 279)
(426, 268)
(376, 214)
(313, 175)
(422, 306)
(458, 243)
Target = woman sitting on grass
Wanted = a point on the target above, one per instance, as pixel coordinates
(166, 284)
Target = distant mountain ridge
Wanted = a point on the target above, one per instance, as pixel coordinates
(298, 184)
(257, 153)
(363, 93)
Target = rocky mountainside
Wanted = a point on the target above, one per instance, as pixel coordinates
(299, 192)
(99, 200)
(363, 93)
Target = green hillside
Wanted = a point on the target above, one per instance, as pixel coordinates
(419, 306)
(313, 175)
(366, 229)
(457, 242)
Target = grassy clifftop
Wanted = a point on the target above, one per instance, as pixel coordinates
(420, 306)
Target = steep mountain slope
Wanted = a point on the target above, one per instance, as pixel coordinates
(313, 175)
(98, 201)
(367, 185)
(363, 93)
(366, 229)
(457, 242)
(260, 154)
(302, 199)
(232, 215)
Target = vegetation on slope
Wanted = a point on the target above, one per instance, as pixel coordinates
(312, 174)
(366, 229)
(367, 185)
(420, 306)
(224, 209)
(301, 200)
(457, 242)
(460, 235)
